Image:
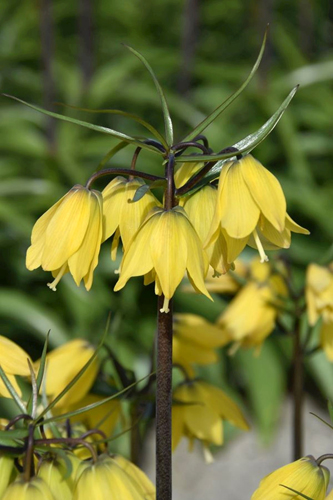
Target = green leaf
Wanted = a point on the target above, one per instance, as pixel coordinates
(12, 434)
(142, 190)
(330, 410)
(92, 405)
(12, 392)
(166, 115)
(298, 492)
(245, 145)
(97, 128)
(136, 118)
(209, 119)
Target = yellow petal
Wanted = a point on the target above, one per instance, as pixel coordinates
(3, 389)
(203, 423)
(265, 190)
(85, 259)
(239, 212)
(295, 228)
(326, 339)
(67, 228)
(13, 359)
(113, 200)
(186, 171)
(196, 329)
(234, 246)
(35, 251)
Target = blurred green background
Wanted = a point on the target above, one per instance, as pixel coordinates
(72, 52)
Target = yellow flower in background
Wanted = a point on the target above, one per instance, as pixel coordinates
(304, 476)
(194, 341)
(14, 361)
(184, 173)
(122, 216)
(319, 299)
(198, 412)
(35, 489)
(112, 478)
(251, 209)
(67, 238)
(105, 417)
(63, 364)
(200, 208)
(165, 246)
(251, 315)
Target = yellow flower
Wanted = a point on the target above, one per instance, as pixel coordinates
(6, 472)
(319, 298)
(55, 474)
(250, 317)
(199, 413)
(14, 361)
(111, 478)
(67, 238)
(164, 247)
(304, 476)
(104, 417)
(63, 364)
(194, 341)
(35, 489)
(122, 216)
(184, 173)
(251, 209)
(200, 208)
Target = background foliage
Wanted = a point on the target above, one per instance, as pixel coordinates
(201, 51)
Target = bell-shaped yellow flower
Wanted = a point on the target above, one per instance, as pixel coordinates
(194, 341)
(6, 472)
(67, 238)
(56, 475)
(183, 173)
(198, 411)
(250, 317)
(200, 208)
(251, 209)
(14, 361)
(112, 479)
(164, 247)
(35, 489)
(304, 476)
(146, 486)
(319, 298)
(63, 364)
(122, 216)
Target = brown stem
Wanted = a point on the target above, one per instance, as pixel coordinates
(119, 171)
(135, 434)
(298, 393)
(163, 403)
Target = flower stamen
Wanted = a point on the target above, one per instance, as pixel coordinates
(60, 274)
(165, 308)
(263, 256)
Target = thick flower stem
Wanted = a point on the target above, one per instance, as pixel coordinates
(163, 403)
(298, 393)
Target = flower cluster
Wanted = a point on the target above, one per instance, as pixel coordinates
(211, 226)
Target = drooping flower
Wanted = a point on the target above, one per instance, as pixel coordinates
(198, 413)
(319, 298)
(35, 489)
(183, 173)
(200, 208)
(67, 238)
(194, 341)
(110, 478)
(251, 209)
(304, 476)
(121, 215)
(63, 364)
(6, 472)
(251, 315)
(164, 247)
(57, 477)
(14, 361)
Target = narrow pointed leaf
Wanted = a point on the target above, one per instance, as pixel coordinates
(119, 112)
(41, 369)
(166, 115)
(298, 492)
(142, 190)
(12, 391)
(13, 434)
(244, 146)
(94, 405)
(97, 128)
(209, 119)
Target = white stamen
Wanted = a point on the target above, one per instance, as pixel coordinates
(165, 308)
(209, 459)
(60, 274)
(263, 256)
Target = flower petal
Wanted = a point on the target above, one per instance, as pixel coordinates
(113, 199)
(294, 227)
